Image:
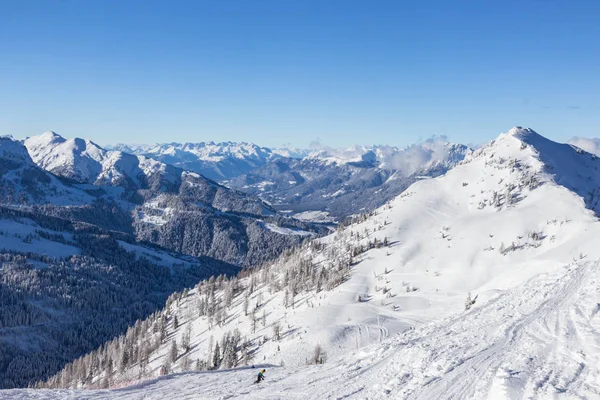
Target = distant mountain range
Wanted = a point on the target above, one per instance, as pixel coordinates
(323, 184)
(217, 161)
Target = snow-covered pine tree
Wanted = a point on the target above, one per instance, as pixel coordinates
(216, 361)
(173, 352)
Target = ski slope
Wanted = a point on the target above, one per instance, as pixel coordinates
(537, 340)
(500, 227)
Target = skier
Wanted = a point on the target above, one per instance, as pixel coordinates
(261, 376)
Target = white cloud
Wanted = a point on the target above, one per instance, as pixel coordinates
(591, 145)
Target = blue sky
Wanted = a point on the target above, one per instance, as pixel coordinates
(273, 72)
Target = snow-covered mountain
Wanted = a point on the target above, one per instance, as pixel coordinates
(23, 183)
(78, 159)
(322, 184)
(481, 283)
(343, 183)
(217, 161)
(164, 204)
(85, 162)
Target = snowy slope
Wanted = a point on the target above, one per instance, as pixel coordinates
(78, 159)
(23, 183)
(504, 226)
(539, 339)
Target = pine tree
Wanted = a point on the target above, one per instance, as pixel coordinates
(173, 352)
(185, 339)
(246, 302)
(216, 362)
(254, 321)
(162, 329)
(318, 355)
(276, 331)
(185, 363)
(209, 358)
(124, 362)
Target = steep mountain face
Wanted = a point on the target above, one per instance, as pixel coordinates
(343, 183)
(165, 205)
(478, 283)
(217, 161)
(23, 183)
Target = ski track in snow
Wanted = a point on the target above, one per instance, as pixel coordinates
(531, 348)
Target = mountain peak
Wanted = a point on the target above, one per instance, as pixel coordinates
(521, 137)
(12, 149)
(519, 132)
(51, 135)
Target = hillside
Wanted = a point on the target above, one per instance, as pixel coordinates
(532, 341)
(61, 279)
(478, 283)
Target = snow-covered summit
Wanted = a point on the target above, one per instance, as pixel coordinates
(23, 182)
(564, 164)
(13, 150)
(78, 159)
(84, 161)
